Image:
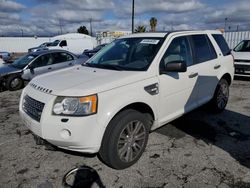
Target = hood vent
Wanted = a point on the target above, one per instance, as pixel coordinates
(42, 89)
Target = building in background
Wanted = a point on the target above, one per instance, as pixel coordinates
(108, 36)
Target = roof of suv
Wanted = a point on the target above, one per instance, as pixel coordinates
(163, 34)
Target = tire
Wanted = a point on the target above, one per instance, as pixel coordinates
(220, 98)
(125, 139)
(14, 82)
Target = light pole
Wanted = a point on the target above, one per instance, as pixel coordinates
(133, 14)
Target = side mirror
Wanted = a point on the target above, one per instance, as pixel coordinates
(174, 66)
(31, 68)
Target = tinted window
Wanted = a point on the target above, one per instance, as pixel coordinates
(43, 60)
(244, 46)
(222, 44)
(203, 48)
(178, 50)
(62, 57)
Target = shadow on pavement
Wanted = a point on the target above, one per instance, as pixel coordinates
(229, 131)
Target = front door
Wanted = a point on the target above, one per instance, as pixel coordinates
(42, 64)
(178, 90)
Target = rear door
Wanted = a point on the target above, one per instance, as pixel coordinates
(62, 60)
(205, 59)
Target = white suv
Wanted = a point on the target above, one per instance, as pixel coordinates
(132, 86)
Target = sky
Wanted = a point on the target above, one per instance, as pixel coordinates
(51, 17)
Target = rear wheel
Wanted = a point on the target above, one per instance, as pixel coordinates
(221, 96)
(125, 139)
(14, 82)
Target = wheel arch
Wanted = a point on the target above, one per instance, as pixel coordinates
(227, 77)
(140, 107)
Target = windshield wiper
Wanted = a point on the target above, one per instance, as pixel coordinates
(104, 66)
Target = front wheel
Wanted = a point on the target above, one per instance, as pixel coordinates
(125, 139)
(221, 96)
(14, 82)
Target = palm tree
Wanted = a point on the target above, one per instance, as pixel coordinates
(140, 29)
(153, 23)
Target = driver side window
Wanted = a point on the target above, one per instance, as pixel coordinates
(43, 60)
(178, 50)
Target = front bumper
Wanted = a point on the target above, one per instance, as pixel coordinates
(82, 134)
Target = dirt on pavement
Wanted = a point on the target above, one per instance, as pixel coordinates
(200, 149)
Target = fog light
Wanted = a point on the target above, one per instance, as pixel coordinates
(65, 134)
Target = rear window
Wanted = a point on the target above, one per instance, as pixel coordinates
(204, 50)
(222, 44)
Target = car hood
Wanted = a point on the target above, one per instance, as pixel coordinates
(241, 55)
(82, 81)
(7, 69)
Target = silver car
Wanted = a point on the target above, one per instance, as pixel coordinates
(12, 76)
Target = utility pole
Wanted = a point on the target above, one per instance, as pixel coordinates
(22, 32)
(237, 28)
(90, 25)
(133, 14)
(225, 24)
(60, 25)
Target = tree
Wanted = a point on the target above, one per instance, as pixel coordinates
(83, 30)
(153, 24)
(140, 29)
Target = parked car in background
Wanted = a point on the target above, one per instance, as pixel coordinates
(135, 85)
(92, 52)
(39, 48)
(1, 61)
(5, 56)
(242, 58)
(12, 76)
(73, 42)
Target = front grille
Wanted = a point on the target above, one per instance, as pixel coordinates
(33, 108)
(242, 67)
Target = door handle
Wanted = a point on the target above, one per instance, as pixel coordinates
(49, 68)
(192, 75)
(216, 66)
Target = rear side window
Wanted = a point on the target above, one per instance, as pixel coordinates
(203, 48)
(222, 44)
(60, 57)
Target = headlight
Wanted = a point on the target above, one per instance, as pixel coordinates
(75, 106)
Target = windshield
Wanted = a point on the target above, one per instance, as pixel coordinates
(135, 54)
(55, 43)
(44, 44)
(23, 61)
(243, 46)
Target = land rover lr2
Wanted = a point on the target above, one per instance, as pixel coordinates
(138, 83)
